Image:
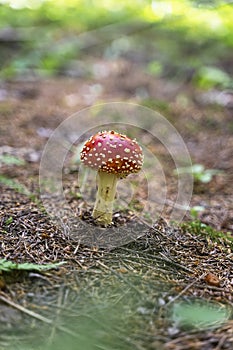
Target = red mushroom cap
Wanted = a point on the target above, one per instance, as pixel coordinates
(111, 152)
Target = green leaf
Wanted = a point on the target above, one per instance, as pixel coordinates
(6, 265)
(205, 177)
(11, 160)
(197, 168)
(200, 314)
(9, 220)
(208, 77)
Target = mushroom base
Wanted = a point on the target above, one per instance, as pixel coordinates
(103, 208)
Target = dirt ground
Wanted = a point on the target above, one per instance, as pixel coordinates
(32, 110)
(179, 258)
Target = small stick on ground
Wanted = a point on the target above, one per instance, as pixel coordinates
(174, 263)
(185, 289)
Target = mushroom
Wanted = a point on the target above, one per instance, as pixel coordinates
(114, 156)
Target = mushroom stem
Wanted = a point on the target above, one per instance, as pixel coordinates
(103, 208)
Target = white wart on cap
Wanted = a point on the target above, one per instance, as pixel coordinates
(114, 153)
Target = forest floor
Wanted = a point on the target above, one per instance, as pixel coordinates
(126, 297)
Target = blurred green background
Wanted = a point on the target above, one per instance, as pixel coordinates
(179, 39)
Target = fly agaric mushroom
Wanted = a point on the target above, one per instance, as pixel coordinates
(114, 156)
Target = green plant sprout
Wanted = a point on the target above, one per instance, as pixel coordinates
(7, 266)
(195, 210)
(199, 172)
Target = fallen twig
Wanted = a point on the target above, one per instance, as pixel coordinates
(185, 289)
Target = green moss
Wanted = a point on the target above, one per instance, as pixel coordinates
(198, 228)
